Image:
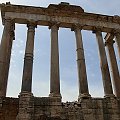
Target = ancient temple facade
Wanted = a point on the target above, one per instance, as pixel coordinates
(28, 107)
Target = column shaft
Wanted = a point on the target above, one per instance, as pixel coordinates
(104, 66)
(5, 54)
(82, 76)
(28, 60)
(54, 70)
(118, 42)
(114, 67)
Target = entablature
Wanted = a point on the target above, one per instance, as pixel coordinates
(65, 14)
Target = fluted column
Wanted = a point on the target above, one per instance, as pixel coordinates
(28, 59)
(104, 66)
(113, 63)
(118, 42)
(54, 68)
(82, 75)
(5, 54)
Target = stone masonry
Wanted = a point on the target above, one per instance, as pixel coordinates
(46, 108)
(28, 107)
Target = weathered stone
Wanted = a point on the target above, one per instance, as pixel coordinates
(54, 69)
(28, 107)
(113, 62)
(47, 111)
(28, 60)
(104, 66)
(5, 54)
(82, 76)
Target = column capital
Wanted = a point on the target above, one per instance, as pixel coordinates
(96, 29)
(32, 25)
(109, 39)
(7, 19)
(11, 28)
(10, 22)
(110, 42)
(12, 32)
(54, 25)
(116, 32)
(76, 27)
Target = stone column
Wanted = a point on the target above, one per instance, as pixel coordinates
(26, 106)
(114, 68)
(82, 75)
(28, 60)
(118, 42)
(104, 66)
(54, 68)
(5, 54)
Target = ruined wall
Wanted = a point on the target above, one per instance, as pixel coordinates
(8, 108)
(51, 109)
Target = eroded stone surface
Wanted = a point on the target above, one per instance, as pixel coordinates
(46, 108)
(28, 107)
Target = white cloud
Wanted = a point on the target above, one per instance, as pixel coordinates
(41, 88)
(69, 93)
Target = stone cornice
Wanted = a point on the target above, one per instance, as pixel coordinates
(60, 11)
(53, 10)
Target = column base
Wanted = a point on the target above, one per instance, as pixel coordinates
(109, 96)
(55, 99)
(26, 106)
(55, 95)
(84, 96)
(2, 95)
(25, 94)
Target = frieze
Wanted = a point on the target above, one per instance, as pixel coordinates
(59, 10)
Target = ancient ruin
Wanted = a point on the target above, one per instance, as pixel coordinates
(28, 107)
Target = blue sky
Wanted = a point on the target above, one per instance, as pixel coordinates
(67, 49)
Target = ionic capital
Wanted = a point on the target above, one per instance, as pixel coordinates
(115, 32)
(109, 39)
(32, 25)
(12, 31)
(8, 20)
(76, 27)
(96, 29)
(54, 25)
(109, 42)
